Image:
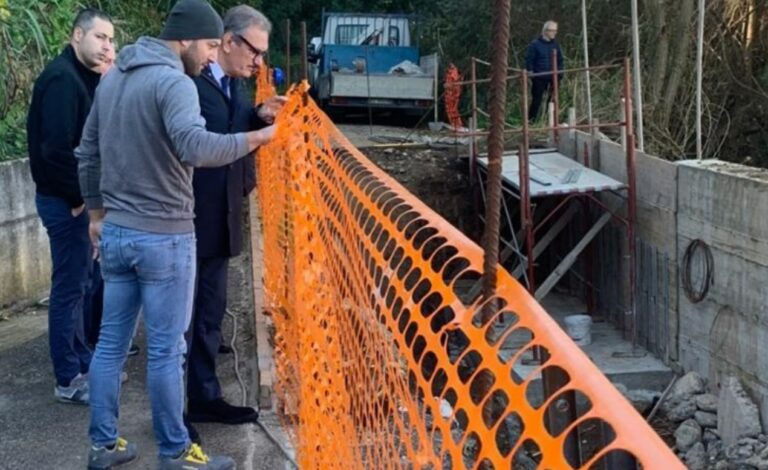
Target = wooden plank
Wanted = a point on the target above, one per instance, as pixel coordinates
(571, 257)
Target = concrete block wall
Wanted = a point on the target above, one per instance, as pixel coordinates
(25, 268)
(726, 206)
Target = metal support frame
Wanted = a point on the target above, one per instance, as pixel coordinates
(525, 246)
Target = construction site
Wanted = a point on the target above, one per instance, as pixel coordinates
(542, 294)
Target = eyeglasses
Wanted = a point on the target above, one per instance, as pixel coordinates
(255, 52)
(551, 30)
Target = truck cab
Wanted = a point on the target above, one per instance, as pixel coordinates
(363, 60)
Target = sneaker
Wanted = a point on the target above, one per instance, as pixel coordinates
(133, 350)
(195, 459)
(219, 411)
(76, 393)
(103, 458)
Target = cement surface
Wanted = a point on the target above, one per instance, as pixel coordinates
(36, 432)
(611, 353)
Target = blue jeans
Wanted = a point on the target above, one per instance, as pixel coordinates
(156, 271)
(70, 268)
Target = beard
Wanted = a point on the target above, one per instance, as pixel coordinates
(192, 66)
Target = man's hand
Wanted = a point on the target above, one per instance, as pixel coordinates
(76, 211)
(260, 137)
(269, 109)
(94, 229)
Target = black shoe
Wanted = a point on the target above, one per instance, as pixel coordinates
(133, 350)
(219, 411)
(224, 349)
(194, 436)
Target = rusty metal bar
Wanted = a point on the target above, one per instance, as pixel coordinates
(498, 104)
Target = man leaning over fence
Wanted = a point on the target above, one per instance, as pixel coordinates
(61, 100)
(141, 141)
(227, 106)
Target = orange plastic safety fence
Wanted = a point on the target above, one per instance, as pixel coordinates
(383, 360)
(452, 96)
(265, 87)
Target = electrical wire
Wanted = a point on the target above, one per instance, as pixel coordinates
(697, 293)
(244, 391)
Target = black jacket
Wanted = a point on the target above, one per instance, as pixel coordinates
(219, 192)
(538, 57)
(61, 101)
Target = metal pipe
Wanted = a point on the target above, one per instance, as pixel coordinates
(699, 79)
(555, 97)
(288, 52)
(525, 186)
(638, 81)
(586, 59)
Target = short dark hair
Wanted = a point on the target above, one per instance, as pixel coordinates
(85, 17)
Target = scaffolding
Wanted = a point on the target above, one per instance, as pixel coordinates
(547, 189)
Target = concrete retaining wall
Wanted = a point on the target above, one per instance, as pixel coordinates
(726, 206)
(25, 267)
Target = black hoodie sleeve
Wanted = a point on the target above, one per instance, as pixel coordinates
(59, 135)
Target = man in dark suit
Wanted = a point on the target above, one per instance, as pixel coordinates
(538, 59)
(227, 107)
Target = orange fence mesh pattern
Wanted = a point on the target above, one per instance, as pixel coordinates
(452, 96)
(265, 87)
(383, 361)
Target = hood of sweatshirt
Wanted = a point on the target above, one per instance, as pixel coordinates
(148, 52)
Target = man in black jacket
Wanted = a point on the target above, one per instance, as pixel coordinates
(61, 100)
(538, 59)
(227, 107)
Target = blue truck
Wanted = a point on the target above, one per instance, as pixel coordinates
(370, 60)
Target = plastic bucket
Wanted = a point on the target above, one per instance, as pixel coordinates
(579, 328)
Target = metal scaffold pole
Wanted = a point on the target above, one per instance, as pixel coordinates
(638, 80)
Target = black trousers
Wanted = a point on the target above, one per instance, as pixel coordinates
(539, 87)
(204, 335)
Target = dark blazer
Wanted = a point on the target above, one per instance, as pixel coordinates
(219, 192)
(61, 101)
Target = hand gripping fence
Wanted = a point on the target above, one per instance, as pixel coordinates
(383, 362)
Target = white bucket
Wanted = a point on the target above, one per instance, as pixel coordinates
(579, 328)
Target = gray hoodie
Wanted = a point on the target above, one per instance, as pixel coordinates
(142, 138)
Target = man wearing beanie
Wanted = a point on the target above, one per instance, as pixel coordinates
(142, 139)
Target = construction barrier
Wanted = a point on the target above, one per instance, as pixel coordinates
(384, 360)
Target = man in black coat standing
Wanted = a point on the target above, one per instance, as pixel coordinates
(538, 59)
(61, 100)
(227, 107)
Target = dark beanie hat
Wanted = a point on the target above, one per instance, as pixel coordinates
(192, 19)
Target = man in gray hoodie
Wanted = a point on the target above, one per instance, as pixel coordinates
(142, 139)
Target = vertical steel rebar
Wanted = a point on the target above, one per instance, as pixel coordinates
(498, 101)
(631, 198)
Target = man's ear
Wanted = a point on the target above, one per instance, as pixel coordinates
(226, 41)
(185, 44)
(77, 34)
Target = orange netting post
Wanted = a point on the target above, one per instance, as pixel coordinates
(384, 358)
(452, 95)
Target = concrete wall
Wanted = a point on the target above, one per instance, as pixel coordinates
(726, 206)
(656, 203)
(24, 254)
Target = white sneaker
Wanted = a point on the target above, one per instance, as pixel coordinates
(76, 393)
